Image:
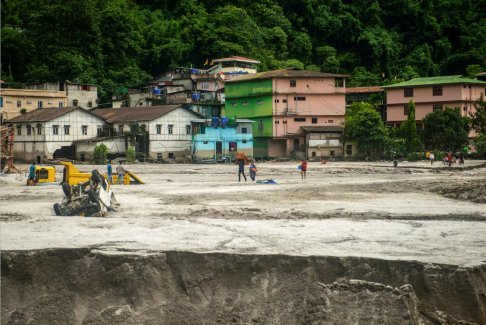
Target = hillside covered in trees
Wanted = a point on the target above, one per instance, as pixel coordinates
(121, 43)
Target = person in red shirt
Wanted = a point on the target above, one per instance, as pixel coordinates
(449, 159)
(303, 168)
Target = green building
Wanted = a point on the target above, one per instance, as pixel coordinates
(290, 107)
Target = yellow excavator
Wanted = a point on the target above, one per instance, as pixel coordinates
(72, 176)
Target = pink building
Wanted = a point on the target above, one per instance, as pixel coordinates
(297, 112)
(431, 94)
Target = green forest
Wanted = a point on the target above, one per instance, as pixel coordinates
(122, 43)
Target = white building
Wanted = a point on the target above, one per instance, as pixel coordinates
(159, 132)
(48, 133)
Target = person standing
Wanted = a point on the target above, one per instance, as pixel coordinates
(432, 158)
(427, 156)
(31, 179)
(121, 173)
(241, 169)
(110, 172)
(449, 159)
(303, 168)
(253, 171)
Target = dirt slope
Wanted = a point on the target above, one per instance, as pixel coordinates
(85, 287)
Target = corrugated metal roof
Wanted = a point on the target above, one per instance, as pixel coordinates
(136, 114)
(43, 114)
(441, 80)
(285, 73)
(363, 90)
(236, 58)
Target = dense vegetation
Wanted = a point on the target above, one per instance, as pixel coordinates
(120, 43)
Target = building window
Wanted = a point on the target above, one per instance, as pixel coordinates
(437, 91)
(299, 98)
(244, 130)
(277, 100)
(39, 129)
(408, 92)
(55, 129)
(188, 129)
(284, 122)
(314, 120)
(405, 109)
(90, 104)
(82, 157)
(330, 121)
(159, 156)
(29, 129)
(171, 129)
(284, 100)
(158, 128)
(75, 102)
(300, 119)
(436, 108)
(19, 130)
(99, 130)
(61, 104)
(277, 122)
(171, 155)
(314, 154)
(39, 104)
(243, 141)
(205, 142)
(260, 125)
(84, 129)
(120, 129)
(293, 83)
(464, 109)
(205, 86)
(66, 129)
(349, 149)
(19, 104)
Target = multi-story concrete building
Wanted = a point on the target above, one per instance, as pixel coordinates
(286, 105)
(14, 102)
(77, 94)
(430, 94)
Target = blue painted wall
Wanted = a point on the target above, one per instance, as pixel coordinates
(204, 145)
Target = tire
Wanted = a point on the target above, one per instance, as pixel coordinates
(87, 210)
(57, 209)
(96, 176)
(93, 197)
(66, 189)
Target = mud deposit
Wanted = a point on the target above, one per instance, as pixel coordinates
(83, 286)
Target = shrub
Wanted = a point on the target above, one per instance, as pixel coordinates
(100, 154)
(480, 144)
(415, 156)
(131, 154)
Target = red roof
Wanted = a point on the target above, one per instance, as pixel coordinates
(44, 114)
(135, 114)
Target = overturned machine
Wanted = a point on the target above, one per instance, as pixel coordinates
(93, 198)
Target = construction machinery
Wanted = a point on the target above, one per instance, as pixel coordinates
(93, 198)
(72, 176)
(44, 175)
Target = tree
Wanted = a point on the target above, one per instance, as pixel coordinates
(478, 117)
(480, 144)
(364, 125)
(445, 130)
(100, 154)
(408, 130)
